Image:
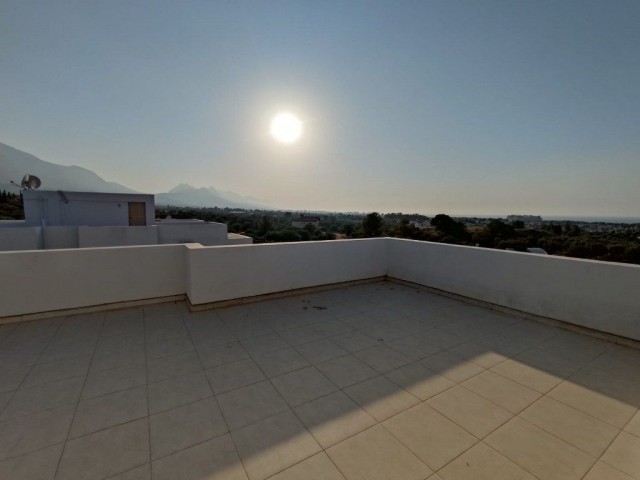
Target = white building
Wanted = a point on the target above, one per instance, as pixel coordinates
(58, 219)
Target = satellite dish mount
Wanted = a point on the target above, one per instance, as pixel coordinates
(29, 182)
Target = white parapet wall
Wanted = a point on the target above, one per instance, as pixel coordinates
(225, 273)
(50, 280)
(599, 295)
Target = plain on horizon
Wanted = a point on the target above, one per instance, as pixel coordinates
(460, 107)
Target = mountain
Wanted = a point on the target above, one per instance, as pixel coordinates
(184, 195)
(14, 164)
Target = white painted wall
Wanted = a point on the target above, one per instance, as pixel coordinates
(20, 238)
(60, 237)
(599, 295)
(206, 233)
(224, 273)
(116, 236)
(48, 280)
(82, 208)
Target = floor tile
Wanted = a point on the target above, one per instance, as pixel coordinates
(632, 427)
(166, 346)
(502, 391)
(11, 378)
(143, 472)
(483, 463)
(251, 403)
(382, 358)
(579, 429)
(38, 465)
(108, 381)
(215, 459)
(109, 410)
(132, 355)
(601, 406)
(478, 353)
(354, 341)
(233, 375)
(303, 385)
(31, 400)
(414, 347)
(173, 366)
(602, 471)
(475, 414)
(300, 335)
(320, 351)
(105, 453)
(380, 397)
(185, 426)
(334, 417)
(265, 344)
(318, 467)
(177, 391)
(451, 366)
(347, 370)
(419, 381)
(282, 361)
(32, 432)
(214, 356)
(58, 370)
(274, 444)
(376, 455)
(538, 452)
(433, 438)
(624, 454)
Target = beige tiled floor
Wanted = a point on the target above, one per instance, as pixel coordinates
(377, 381)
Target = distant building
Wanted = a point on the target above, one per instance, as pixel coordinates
(59, 219)
(421, 225)
(540, 251)
(303, 221)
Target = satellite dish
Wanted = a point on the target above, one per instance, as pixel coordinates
(30, 182)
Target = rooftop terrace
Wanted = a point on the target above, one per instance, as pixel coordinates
(373, 381)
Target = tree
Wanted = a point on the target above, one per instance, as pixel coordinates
(372, 225)
(448, 226)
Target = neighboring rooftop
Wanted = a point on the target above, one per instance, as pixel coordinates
(374, 381)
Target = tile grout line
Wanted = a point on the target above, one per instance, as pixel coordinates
(77, 403)
(224, 419)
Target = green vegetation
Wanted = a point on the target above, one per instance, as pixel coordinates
(615, 243)
(11, 206)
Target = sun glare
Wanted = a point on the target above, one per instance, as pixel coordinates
(286, 127)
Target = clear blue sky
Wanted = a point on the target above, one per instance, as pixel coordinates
(486, 107)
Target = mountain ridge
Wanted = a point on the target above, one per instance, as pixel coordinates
(14, 164)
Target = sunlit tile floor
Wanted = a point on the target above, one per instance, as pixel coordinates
(376, 381)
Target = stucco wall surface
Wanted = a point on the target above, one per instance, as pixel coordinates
(116, 236)
(599, 295)
(223, 273)
(20, 238)
(48, 280)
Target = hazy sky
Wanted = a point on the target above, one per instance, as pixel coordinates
(486, 107)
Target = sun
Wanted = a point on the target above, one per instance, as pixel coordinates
(286, 128)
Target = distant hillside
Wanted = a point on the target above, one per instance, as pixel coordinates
(14, 164)
(185, 195)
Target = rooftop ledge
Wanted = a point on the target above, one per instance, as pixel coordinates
(599, 296)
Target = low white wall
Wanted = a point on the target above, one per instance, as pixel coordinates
(194, 232)
(116, 236)
(60, 237)
(599, 295)
(20, 238)
(48, 280)
(224, 273)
